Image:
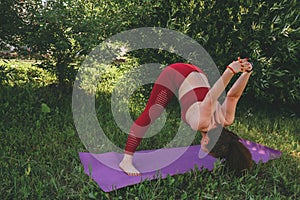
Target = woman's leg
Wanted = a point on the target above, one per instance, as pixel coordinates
(159, 98)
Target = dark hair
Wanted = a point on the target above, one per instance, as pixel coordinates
(237, 157)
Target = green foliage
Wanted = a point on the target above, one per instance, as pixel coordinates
(52, 30)
(67, 30)
(21, 73)
(45, 108)
(11, 22)
(265, 31)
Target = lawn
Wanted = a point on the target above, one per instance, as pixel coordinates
(40, 145)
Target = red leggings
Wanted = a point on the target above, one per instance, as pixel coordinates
(166, 85)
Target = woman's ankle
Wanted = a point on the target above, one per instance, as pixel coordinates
(127, 157)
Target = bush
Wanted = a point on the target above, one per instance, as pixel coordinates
(21, 73)
(265, 31)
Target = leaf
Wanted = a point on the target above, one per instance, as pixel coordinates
(45, 108)
(28, 170)
(92, 196)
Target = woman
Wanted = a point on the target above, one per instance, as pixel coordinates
(200, 109)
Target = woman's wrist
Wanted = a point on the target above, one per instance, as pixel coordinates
(241, 65)
(228, 67)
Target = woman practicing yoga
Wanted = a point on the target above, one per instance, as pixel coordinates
(200, 109)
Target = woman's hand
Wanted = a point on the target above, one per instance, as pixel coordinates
(240, 65)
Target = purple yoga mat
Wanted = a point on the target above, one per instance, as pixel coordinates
(103, 168)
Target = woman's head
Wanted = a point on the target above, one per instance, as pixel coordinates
(227, 145)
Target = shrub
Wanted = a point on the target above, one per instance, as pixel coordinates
(265, 31)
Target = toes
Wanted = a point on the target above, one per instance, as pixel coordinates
(136, 174)
(133, 174)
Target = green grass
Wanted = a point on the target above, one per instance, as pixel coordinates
(39, 149)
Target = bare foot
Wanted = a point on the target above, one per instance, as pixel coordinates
(127, 166)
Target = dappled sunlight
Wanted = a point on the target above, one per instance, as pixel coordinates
(296, 155)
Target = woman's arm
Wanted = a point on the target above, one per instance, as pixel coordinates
(208, 105)
(233, 96)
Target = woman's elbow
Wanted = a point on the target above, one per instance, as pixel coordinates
(200, 125)
(228, 121)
